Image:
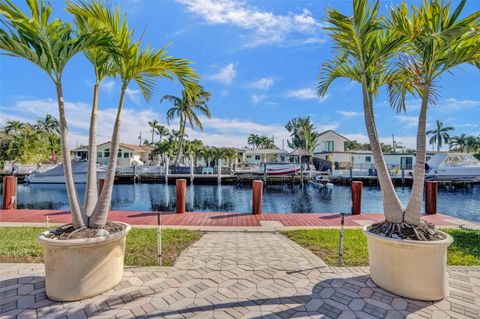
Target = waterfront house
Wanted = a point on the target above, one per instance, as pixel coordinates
(262, 155)
(128, 154)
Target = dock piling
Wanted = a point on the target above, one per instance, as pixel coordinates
(191, 170)
(357, 197)
(431, 192)
(9, 192)
(181, 188)
(219, 172)
(257, 193)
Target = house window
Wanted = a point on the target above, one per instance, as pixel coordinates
(249, 156)
(120, 154)
(329, 146)
(368, 159)
(106, 153)
(126, 155)
(282, 158)
(99, 154)
(257, 157)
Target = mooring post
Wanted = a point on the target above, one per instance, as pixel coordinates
(264, 172)
(191, 170)
(101, 182)
(357, 197)
(181, 186)
(431, 193)
(167, 160)
(301, 173)
(257, 193)
(219, 171)
(9, 192)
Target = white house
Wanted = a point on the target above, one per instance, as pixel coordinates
(329, 142)
(128, 154)
(261, 155)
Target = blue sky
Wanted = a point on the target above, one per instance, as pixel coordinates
(259, 59)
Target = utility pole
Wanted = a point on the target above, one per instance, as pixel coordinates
(393, 144)
(140, 139)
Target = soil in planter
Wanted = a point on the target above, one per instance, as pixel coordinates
(424, 232)
(68, 232)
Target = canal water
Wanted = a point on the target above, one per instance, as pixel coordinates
(463, 203)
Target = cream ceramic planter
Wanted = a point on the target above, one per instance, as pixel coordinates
(81, 268)
(412, 269)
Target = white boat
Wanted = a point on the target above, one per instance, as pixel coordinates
(453, 167)
(56, 175)
(279, 169)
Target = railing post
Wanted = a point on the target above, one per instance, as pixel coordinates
(257, 193)
(181, 187)
(431, 192)
(9, 192)
(101, 182)
(357, 197)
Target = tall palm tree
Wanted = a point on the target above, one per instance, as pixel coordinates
(186, 108)
(50, 45)
(135, 63)
(364, 49)
(254, 140)
(303, 134)
(439, 135)
(439, 39)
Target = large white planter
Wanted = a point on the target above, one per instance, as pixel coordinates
(409, 268)
(81, 268)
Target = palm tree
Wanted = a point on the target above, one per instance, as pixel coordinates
(439, 135)
(102, 60)
(439, 39)
(134, 63)
(51, 128)
(303, 133)
(154, 125)
(459, 143)
(161, 131)
(12, 127)
(364, 49)
(253, 140)
(185, 108)
(50, 45)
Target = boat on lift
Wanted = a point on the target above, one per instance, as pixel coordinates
(56, 174)
(454, 167)
(279, 169)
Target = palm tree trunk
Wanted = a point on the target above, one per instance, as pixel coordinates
(180, 140)
(392, 207)
(414, 207)
(78, 219)
(100, 213)
(91, 191)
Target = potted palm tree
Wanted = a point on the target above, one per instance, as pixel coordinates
(85, 258)
(407, 53)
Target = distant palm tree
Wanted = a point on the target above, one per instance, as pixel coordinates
(439, 135)
(12, 127)
(161, 131)
(154, 125)
(459, 143)
(186, 108)
(254, 140)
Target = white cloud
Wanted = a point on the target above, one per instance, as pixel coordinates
(407, 121)
(134, 95)
(326, 127)
(225, 75)
(266, 26)
(452, 104)
(218, 131)
(263, 83)
(258, 98)
(349, 113)
(305, 94)
(107, 85)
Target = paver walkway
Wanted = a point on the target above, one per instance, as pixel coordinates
(239, 275)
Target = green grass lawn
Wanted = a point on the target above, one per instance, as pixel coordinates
(19, 245)
(464, 251)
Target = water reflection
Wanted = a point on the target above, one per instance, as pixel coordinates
(462, 202)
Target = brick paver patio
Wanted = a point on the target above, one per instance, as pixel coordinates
(239, 275)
